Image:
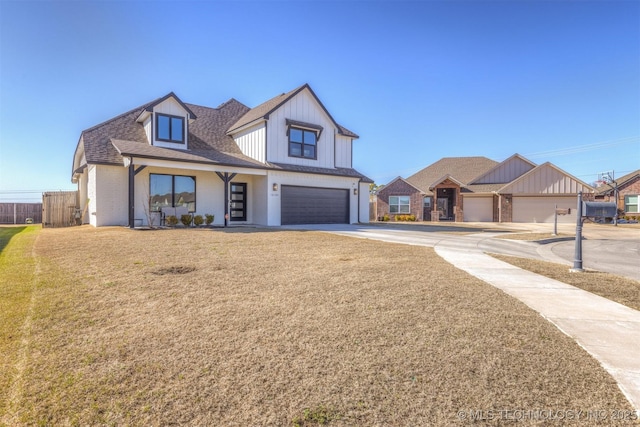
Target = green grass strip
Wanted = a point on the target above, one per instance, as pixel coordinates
(17, 284)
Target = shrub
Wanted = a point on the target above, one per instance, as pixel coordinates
(172, 220)
(405, 218)
(185, 220)
(386, 217)
(208, 219)
(198, 220)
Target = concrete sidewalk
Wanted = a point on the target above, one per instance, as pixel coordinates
(609, 331)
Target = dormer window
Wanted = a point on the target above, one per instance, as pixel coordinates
(169, 128)
(303, 139)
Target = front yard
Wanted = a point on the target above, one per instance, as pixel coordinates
(267, 327)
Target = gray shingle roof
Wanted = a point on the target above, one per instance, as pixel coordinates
(463, 169)
(324, 171)
(207, 132)
(207, 156)
(209, 143)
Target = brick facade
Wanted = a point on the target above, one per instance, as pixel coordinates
(629, 188)
(456, 211)
(400, 188)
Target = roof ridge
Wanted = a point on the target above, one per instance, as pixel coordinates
(142, 107)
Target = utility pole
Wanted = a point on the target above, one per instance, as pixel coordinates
(610, 179)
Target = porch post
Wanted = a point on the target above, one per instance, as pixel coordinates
(226, 178)
(131, 193)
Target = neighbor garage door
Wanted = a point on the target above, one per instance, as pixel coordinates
(541, 209)
(478, 209)
(311, 205)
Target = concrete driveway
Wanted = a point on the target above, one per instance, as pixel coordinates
(605, 248)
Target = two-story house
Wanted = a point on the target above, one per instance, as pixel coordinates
(286, 161)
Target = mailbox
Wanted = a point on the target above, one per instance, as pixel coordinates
(599, 209)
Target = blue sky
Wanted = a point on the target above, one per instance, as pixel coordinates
(555, 81)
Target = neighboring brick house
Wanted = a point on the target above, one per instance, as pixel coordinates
(628, 194)
(478, 189)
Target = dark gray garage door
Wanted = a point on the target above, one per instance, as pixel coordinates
(310, 205)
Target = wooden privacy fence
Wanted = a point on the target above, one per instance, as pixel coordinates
(17, 213)
(60, 209)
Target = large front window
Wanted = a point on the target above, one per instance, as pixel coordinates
(631, 204)
(169, 128)
(399, 204)
(172, 191)
(302, 143)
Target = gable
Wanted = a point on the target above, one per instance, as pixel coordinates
(546, 179)
(263, 112)
(507, 171)
(398, 186)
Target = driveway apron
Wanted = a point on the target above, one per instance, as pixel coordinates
(609, 331)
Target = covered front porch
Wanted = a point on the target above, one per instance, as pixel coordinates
(158, 189)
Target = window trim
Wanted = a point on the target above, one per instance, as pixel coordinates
(303, 127)
(400, 212)
(171, 117)
(627, 204)
(173, 191)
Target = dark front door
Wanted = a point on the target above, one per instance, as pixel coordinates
(238, 208)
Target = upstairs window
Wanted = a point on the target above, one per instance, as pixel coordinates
(399, 204)
(303, 139)
(303, 143)
(170, 128)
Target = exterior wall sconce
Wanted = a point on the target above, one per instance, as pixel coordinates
(355, 191)
(275, 187)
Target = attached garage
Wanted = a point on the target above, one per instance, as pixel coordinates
(478, 209)
(541, 208)
(312, 205)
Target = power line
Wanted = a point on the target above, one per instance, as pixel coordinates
(583, 148)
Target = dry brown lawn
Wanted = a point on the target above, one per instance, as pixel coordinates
(616, 288)
(261, 327)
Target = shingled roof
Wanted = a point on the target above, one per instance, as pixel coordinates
(209, 142)
(608, 189)
(463, 169)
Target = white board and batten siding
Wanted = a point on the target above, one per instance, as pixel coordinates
(343, 151)
(303, 108)
(478, 209)
(252, 142)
